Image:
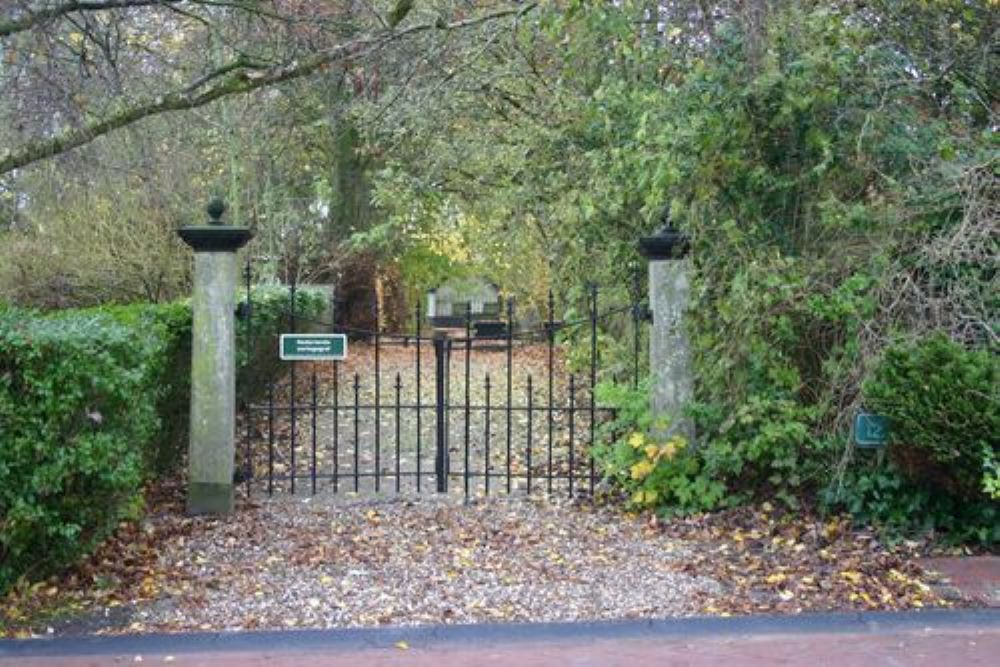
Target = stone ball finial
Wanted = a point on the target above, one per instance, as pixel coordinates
(216, 207)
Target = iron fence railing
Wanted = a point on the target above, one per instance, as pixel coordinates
(496, 413)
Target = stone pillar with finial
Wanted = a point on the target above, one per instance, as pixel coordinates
(669, 351)
(212, 447)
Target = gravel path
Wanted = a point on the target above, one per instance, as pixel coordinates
(347, 561)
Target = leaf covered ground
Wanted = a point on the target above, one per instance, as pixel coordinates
(355, 561)
(769, 561)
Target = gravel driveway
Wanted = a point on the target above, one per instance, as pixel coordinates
(343, 561)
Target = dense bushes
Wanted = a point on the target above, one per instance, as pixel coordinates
(78, 402)
(93, 402)
(944, 403)
(831, 214)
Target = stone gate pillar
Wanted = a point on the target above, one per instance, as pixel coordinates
(212, 447)
(669, 351)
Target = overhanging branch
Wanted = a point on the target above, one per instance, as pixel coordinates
(33, 18)
(231, 79)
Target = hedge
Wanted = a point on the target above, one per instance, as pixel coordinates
(93, 403)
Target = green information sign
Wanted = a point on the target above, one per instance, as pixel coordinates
(870, 430)
(313, 347)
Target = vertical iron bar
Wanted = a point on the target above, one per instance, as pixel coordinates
(357, 443)
(378, 413)
(336, 396)
(248, 412)
(270, 439)
(399, 394)
(419, 399)
(468, 382)
(292, 290)
(487, 434)
(527, 456)
(510, 384)
(636, 323)
(312, 405)
(336, 426)
(440, 409)
(248, 449)
(593, 380)
(552, 341)
(572, 432)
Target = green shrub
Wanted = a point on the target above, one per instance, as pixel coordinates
(763, 447)
(92, 403)
(882, 496)
(652, 470)
(257, 359)
(77, 402)
(991, 473)
(171, 324)
(942, 400)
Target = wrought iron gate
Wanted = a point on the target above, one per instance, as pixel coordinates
(451, 412)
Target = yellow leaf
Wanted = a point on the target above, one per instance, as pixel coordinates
(641, 470)
(652, 451)
(402, 646)
(637, 440)
(851, 576)
(644, 497)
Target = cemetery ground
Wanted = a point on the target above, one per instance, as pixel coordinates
(370, 560)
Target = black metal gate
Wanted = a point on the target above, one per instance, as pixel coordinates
(477, 410)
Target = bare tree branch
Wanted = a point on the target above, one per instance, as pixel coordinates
(33, 18)
(234, 78)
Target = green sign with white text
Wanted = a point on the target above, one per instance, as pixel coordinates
(870, 430)
(313, 347)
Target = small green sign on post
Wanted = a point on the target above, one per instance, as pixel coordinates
(313, 347)
(870, 431)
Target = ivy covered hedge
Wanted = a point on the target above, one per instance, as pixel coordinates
(92, 404)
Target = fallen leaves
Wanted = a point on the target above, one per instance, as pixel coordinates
(348, 562)
(774, 562)
(124, 571)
